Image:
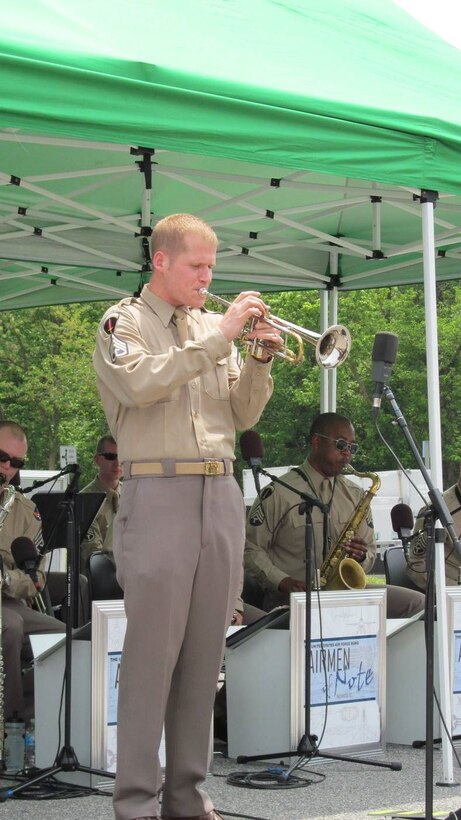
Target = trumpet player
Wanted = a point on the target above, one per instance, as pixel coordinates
(174, 394)
(274, 550)
(19, 618)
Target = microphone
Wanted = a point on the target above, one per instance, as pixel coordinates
(383, 356)
(252, 450)
(27, 559)
(403, 523)
(70, 468)
(25, 556)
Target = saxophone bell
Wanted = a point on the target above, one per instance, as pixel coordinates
(339, 571)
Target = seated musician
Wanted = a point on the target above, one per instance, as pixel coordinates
(275, 536)
(99, 535)
(416, 569)
(20, 618)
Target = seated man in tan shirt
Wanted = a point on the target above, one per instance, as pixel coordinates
(99, 535)
(274, 549)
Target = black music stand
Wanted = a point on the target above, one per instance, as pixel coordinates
(51, 507)
(307, 747)
(70, 507)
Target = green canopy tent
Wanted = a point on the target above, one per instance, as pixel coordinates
(267, 118)
(304, 132)
(310, 135)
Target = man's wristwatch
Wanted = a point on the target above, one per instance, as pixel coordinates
(6, 579)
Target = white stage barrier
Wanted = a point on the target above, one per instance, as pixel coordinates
(265, 679)
(376, 682)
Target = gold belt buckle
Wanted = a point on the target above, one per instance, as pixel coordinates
(212, 467)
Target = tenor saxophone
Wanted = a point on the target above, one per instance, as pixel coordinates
(7, 501)
(338, 571)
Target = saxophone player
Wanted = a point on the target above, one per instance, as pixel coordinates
(19, 619)
(274, 549)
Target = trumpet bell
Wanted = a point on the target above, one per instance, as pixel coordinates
(332, 349)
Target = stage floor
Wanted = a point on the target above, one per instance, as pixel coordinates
(338, 791)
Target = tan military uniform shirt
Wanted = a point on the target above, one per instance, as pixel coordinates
(162, 400)
(24, 520)
(416, 569)
(275, 546)
(99, 535)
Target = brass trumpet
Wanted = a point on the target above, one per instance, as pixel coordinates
(331, 347)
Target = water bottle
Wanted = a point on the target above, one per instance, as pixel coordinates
(29, 746)
(14, 744)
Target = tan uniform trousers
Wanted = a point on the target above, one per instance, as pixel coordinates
(400, 601)
(178, 546)
(19, 621)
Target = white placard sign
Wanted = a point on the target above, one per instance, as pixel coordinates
(108, 634)
(347, 667)
(454, 625)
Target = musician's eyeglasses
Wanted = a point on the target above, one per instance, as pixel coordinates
(342, 444)
(16, 463)
(109, 456)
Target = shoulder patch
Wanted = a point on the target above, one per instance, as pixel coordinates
(257, 516)
(267, 491)
(109, 324)
(118, 348)
(419, 543)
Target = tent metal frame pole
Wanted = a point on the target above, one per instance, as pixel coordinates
(435, 448)
(324, 381)
(333, 320)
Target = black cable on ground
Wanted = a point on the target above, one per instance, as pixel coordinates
(49, 788)
(240, 816)
(274, 778)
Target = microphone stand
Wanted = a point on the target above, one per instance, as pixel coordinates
(307, 748)
(45, 607)
(40, 482)
(437, 511)
(66, 759)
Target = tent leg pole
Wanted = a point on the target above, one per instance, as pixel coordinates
(428, 200)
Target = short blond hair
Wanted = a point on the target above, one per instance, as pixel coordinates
(170, 232)
(15, 429)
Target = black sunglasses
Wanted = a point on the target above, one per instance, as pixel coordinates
(109, 456)
(341, 444)
(16, 463)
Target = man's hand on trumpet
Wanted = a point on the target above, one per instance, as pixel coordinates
(246, 307)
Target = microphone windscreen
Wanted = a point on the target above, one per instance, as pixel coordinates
(385, 347)
(251, 445)
(402, 517)
(23, 549)
(71, 468)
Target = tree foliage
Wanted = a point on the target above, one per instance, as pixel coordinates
(48, 383)
(285, 423)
